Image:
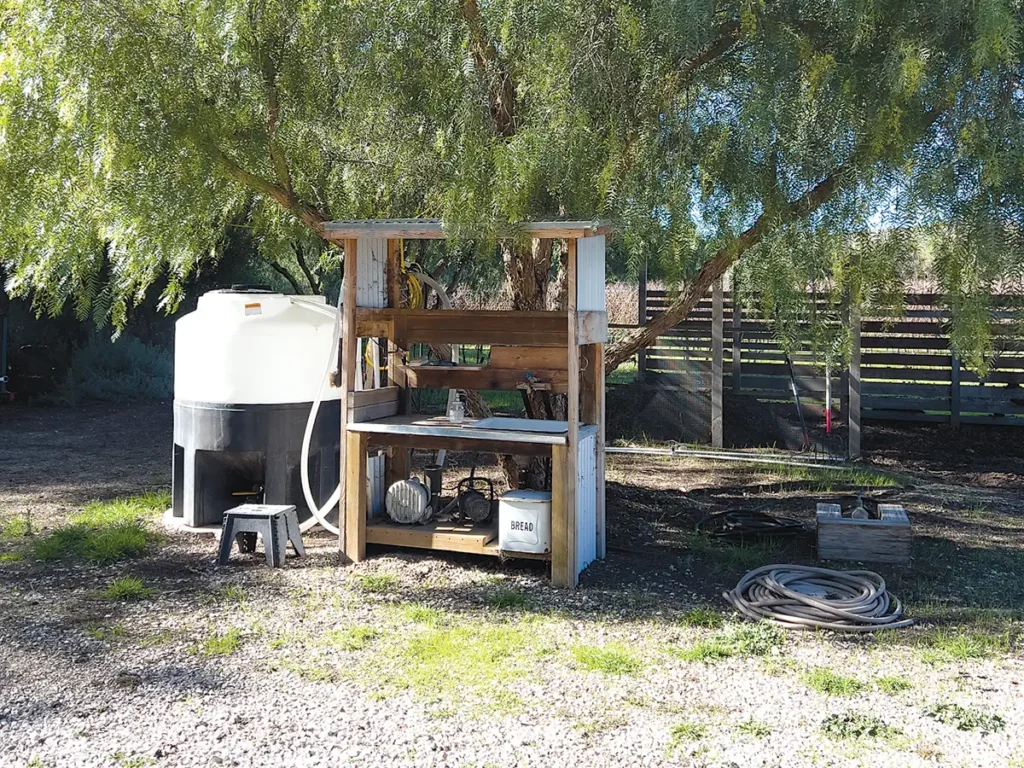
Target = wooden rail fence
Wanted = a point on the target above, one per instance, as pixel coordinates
(902, 368)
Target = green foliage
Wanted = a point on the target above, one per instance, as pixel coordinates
(703, 617)
(824, 680)
(221, 643)
(893, 684)
(849, 141)
(756, 728)
(376, 582)
(854, 725)
(351, 638)
(127, 588)
(611, 659)
(965, 718)
(738, 640)
(682, 734)
(104, 532)
(15, 527)
(119, 371)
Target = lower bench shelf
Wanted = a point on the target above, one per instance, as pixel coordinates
(447, 536)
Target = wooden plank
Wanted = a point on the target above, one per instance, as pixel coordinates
(464, 444)
(878, 414)
(1005, 421)
(874, 389)
(529, 358)
(593, 412)
(444, 536)
(372, 412)
(905, 403)
(484, 377)
(854, 381)
(717, 365)
(453, 326)
(737, 344)
(906, 358)
(591, 327)
(560, 483)
(355, 498)
(348, 539)
(373, 323)
(433, 229)
(641, 314)
(573, 418)
(372, 396)
(954, 393)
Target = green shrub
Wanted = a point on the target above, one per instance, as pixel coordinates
(118, 371)
(126, 588)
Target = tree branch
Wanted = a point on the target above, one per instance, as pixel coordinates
(287, 276)
(303, 211)
(314, 283)
(729, 254)
(501, 91)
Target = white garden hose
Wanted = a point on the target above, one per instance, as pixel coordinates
(319, 514)
(805, 597)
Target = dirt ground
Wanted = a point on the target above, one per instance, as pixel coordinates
(963, 492)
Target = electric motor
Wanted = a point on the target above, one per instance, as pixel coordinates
(408, 502)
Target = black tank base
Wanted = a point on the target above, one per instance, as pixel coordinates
(227, 455)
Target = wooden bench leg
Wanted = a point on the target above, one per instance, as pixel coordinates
(355, 496)
(562, 560)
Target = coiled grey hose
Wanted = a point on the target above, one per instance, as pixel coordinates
(805, 597)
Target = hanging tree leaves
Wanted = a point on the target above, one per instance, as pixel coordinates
(824, 145)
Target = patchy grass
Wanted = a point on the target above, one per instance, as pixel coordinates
(965, 718)
(824, 680)
(611, 659)
(424, 614)
(702, 617)
(451, 662)
(15, 527)
(893, 684)
(126, 588)
(105, 633)
(756, 728)
(507, 600)
(588, 728)
(376, 582)
(826, 480)
(104, 532)
(235, 593)
(12, 557)
(351, 638)
(221, 644)
(961, 645)
(737, 640)
(682, 734)
(855, 725)
(132, 761)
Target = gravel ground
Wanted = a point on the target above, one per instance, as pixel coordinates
(408, 660)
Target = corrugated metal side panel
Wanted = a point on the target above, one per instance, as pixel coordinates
(371, 282)
(586, 503)
(590, 274)
(375, 484)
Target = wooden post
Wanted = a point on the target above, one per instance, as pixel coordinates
(355, 497)
(397, 459)
(592, 402)
(954, 393)
(641, 319)
(737, 342)
(563, 523)
(717, 362)
(853, 404)
(349, 349)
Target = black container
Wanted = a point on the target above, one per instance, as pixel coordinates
(226, 455)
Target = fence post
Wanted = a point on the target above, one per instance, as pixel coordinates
(737, 341)
(853, 402)
(717, 362)
(641, 319)
(954, 393)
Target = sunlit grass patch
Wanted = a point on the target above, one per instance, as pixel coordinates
(824, 680)
(376, 582)
(15, 527)
(756, 728)
(611, 659)
(856, 725)
(104, 532)
(221, 644)
(685, 733)
(893, 684)
(702, 617)
(736, 640)
(965, 718)
(507, 600)
(12, 557)
(961, 645)
(424, 614)
(351, 638)
(126, 588)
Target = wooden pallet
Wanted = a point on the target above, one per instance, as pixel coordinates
(886, 540)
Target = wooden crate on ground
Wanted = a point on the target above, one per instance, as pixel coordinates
(884, 540)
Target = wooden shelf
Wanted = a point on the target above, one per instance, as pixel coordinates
(480, 377)
(456, 326)
(437, 535)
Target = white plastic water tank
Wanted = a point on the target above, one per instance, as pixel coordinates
(252, 347)
(524, 521)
